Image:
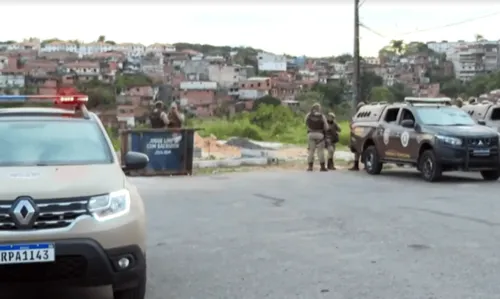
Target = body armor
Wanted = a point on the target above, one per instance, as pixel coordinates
(155, 119)
(174, 121)
(315, 122)
(332, 135)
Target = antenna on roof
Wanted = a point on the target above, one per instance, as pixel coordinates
(413, 100)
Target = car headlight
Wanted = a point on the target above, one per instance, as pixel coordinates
(110, 206)
(449, 140)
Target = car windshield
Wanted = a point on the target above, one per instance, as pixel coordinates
(52, 142)
(444, 116)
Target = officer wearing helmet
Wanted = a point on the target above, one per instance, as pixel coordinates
(317, 125)
(160, 119)
(332, 138)
(357, 156)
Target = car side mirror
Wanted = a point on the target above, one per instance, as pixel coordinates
(408, 123)
(481, 122)
(134, 161)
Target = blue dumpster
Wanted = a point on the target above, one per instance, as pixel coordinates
(170, 151)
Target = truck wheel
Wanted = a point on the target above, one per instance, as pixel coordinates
(490, 175)
(372, 160)
(429, 167)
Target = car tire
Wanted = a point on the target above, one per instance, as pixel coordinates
(490, 175)
(139, 292)
(371, 160)
(430, 169)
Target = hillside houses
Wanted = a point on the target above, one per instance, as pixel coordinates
(199, 82)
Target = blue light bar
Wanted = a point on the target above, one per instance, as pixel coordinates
(13, 98)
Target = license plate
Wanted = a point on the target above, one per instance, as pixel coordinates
(481, 152)
(27, 253)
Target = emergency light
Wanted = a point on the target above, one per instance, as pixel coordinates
(412, 100)
(75, 101)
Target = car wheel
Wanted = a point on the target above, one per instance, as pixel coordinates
(429, 167)
(139, 292)
(490, 175)
(372, 160)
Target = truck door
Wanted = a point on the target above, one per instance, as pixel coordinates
(406, 138)
(385, 130)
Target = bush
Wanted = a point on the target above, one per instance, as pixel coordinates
(278, 124)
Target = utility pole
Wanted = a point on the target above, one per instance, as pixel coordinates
(356, 90)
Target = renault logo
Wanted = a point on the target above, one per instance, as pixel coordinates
(24, 211)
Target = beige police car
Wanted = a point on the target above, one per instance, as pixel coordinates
(68, 215)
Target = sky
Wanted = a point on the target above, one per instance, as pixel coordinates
(312, 28)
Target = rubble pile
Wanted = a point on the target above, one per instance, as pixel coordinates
(211, 147)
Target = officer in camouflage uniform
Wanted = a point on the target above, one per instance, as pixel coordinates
(357, 156)
(459, 102)
(332, 138)
(316, 128)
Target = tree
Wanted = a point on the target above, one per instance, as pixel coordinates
(101, 38)
(369, 80)
(452, 88)
(110, 42)
(381, 94)
(333, 93)
(344, 58)
(398, 46)
(266, 100)
(307, 98)
(399, 91)
(125, 81)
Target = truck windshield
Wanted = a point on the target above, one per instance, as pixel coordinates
(52, 142)
(444, 116)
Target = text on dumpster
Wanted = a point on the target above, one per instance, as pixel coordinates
(164, 146)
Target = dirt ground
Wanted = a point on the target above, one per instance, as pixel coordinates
(211, 147)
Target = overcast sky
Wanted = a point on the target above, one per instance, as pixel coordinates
(315, 29)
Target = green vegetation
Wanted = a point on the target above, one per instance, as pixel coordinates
(266, 123)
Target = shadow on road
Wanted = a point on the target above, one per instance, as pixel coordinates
(452, 177)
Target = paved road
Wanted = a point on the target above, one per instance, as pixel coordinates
(321, 235)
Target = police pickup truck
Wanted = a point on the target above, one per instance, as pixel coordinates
(427, 133)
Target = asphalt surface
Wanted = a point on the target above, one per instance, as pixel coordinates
(294, 234)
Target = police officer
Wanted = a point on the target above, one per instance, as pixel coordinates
(317, 125)
(357, 156)
(459, 102)
(175, 119)
(158, 117)
(332, 138)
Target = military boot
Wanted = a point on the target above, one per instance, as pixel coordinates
(309, 166)
(355, 167)
(322, 167)
(329, 164)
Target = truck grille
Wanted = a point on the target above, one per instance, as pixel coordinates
(53, 213)
(482, 141)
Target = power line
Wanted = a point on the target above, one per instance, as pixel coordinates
(371, 30)
(453, 24)
(361, 4)
(432, 28)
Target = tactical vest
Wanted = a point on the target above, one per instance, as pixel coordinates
(155, 119)
(315, 122)
(174, 121)
(331, 134)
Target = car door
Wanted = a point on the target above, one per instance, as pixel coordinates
(385, 130)
(407, 146)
